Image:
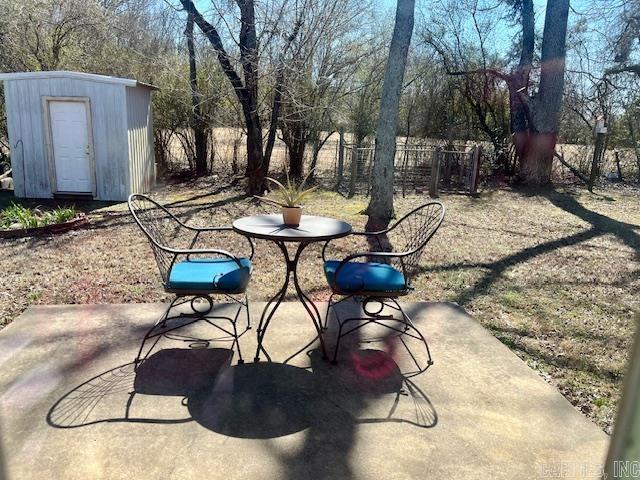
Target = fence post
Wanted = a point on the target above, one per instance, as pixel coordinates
(600, 131)
(475, 168)
(340, 159)
(355, 153)
(617, 157)
(446, 160)
(435, 172)
(403, 172)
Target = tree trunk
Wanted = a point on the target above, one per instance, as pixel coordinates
(296, 160)
(315, 151)
(380, 208)
(247, 91)
(256, 176)
(256, 171)
(596, 161)
(519, 82)
(294, 133)
(273, 126)
(199, 133)
(618, 168)
(535, 166)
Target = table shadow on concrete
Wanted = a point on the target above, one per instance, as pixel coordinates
(254, 400)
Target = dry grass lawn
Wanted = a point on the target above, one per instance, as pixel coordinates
(554, 276)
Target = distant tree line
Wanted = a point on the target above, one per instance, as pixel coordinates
(295, 71)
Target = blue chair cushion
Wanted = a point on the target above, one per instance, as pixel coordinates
(210, 274)
(364, 276)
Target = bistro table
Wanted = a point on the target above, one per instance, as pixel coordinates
(311, 229)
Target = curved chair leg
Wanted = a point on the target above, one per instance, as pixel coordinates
(160, 327)
(334, 360)
(409, 325)
(325, 327)
(408, 328)
(236, 337)
(341, 325)
(162, 321)
(246, 303)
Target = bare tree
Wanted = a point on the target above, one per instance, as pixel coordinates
(322, 61)
(39, 35)
(483, 91)
(380, 208)
(245, 87)
(534, 114)
(626, 38)
(198, 123)
(537, 158)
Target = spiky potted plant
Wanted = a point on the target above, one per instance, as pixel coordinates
(291, 195)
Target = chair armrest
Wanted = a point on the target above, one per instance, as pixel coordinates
(207, 229)
(197, 251)
(370, 233)
(199, 230)
(357, 234)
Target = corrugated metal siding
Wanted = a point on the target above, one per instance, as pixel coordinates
(140, 133)
(107, 103)
(25, 118)
(14, 127)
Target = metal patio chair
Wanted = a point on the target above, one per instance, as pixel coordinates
(381, 277)
(192, 273)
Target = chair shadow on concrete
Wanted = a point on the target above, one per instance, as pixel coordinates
(267, 400)
(110, 396)
(256, 400)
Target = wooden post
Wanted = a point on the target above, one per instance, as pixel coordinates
(617, 157)
(340, 159)
(405, 159)
(598, 151)
(447, 169)
(354, 170)
(475, 168)
(435, 172)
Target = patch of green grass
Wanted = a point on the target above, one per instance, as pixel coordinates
(137, 289)
(600, 402)
(20, 214)
(34, 217)
(505, 339)
(513, 298)
(63, 214)
(34, 296)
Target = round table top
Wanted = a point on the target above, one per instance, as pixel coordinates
(311, 228)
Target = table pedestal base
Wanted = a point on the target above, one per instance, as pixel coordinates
(273, 304)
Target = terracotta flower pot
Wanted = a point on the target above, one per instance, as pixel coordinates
(291, 216)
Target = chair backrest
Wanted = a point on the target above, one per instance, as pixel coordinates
(161, 228)
(412, 232)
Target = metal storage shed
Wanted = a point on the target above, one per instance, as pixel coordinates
(79, 134)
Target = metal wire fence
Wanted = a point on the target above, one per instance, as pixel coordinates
(345, 166)
(417, 169)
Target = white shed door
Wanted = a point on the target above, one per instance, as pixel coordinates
(70, 139)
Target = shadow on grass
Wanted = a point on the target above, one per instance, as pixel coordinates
(568, 362)
(599, 225)
(182, 210)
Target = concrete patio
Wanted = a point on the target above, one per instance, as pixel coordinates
(71, 405)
